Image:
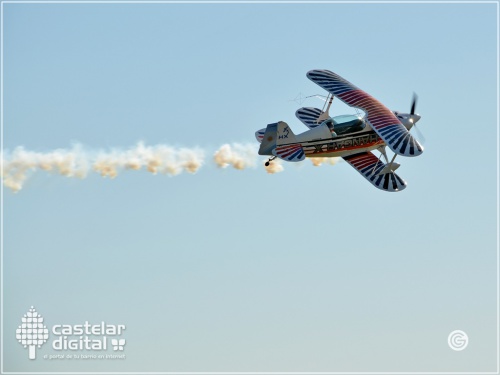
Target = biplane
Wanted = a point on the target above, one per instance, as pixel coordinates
(352, 137)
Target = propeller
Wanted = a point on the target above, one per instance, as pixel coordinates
(414, 118)
(413, 104)
(420, 136)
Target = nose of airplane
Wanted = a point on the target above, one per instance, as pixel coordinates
(415, 118)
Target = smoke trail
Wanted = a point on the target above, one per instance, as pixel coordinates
(75, 162)
(239, 156)
(275, 166)
(70, 163)
(329, 161)
(78, 162)
(154, 159)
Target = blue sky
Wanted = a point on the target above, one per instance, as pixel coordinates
(311, 269)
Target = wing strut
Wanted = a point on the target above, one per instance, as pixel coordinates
(325, 115)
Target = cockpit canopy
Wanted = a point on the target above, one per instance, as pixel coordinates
(344, 124)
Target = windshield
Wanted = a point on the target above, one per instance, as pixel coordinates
(330, 123)
(345, 124)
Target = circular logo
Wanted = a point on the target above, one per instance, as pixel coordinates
(458, 340)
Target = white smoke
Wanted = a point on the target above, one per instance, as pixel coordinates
(154, 159)
(239, 156)
(70, 163)
(275, 166)
(78, 162)
(329, 161)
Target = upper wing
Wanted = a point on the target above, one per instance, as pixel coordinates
(309, 116)
(380, 118)
(370, 166)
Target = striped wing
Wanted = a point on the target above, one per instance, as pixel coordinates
(308, 116)
(369, 166)
(293, 152)
(380, 118)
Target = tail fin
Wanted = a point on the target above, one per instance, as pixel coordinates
(268, 142)
(279, 140)
(287, 147)
(284, 134)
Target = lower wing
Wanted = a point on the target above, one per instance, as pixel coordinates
(371, 167)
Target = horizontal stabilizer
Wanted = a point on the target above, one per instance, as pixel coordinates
(259, 134)
(293, 152)
(376, 172)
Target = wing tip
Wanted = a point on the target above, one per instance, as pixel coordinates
(319, 71)
(419, 150)
(400, 186)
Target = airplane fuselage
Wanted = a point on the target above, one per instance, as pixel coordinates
(342, 145)
(326, 140)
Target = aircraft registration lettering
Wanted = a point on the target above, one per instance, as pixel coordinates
(286, 131)
(337, 145)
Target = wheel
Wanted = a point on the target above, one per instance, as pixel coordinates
(267, 164)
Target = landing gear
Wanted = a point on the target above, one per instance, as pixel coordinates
(270, 159)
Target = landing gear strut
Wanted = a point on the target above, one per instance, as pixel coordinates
(270, 159)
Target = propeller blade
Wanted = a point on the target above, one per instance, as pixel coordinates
(420, 136)
(413, 104)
